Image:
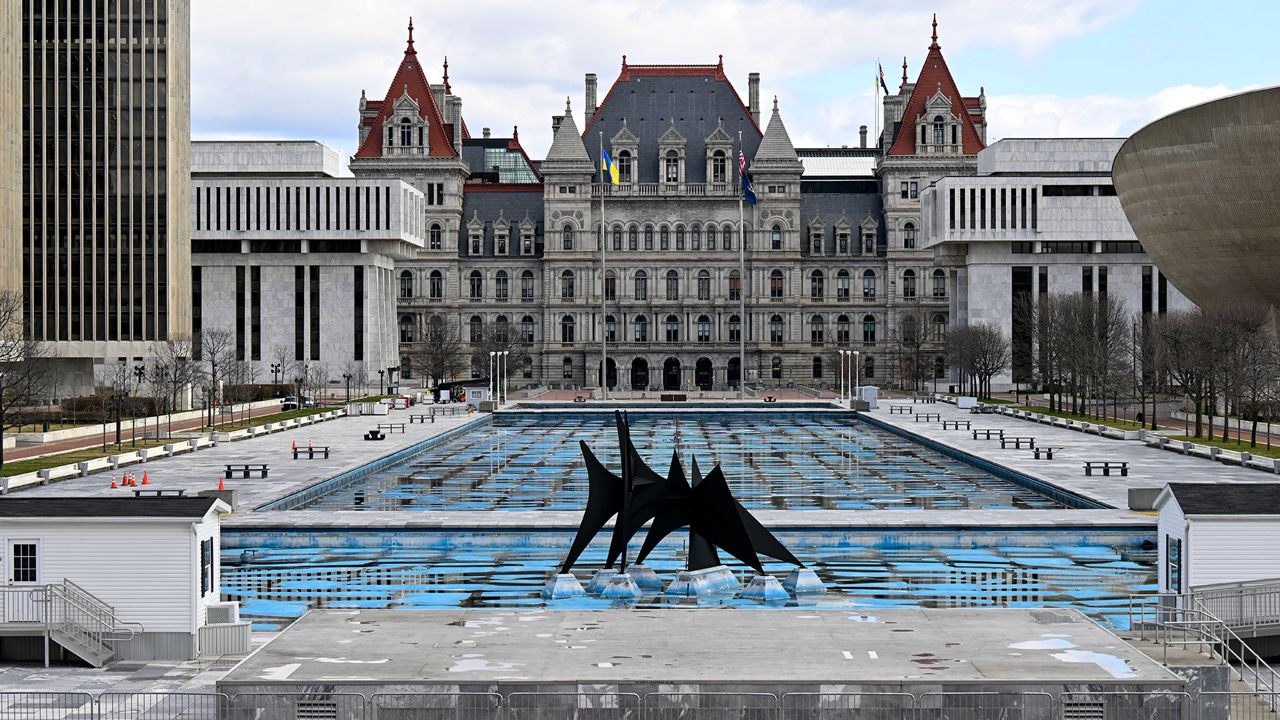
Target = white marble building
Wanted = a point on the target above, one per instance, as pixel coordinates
(1040, 217)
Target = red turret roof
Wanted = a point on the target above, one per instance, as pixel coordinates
(409, 79)
(935, 76)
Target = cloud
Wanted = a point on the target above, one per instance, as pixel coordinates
(295, 68)
(1091, 115)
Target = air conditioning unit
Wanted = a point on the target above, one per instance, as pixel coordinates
(223, 613)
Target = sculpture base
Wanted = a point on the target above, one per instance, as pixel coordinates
(645, 577)
(621, 587)
(600, 580)
(708, 581)
(766, 588)
(562, 586)
(803, 581)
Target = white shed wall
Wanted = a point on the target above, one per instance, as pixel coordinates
(1172, 523)
(1233, 550)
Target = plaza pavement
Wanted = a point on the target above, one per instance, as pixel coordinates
(1148, 467)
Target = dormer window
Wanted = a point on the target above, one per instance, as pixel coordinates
(719, 167)
(939, 130)
(624, 166)
(672, 167)
(405, 129)
(406, 132)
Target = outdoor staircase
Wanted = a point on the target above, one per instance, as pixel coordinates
(81, 623)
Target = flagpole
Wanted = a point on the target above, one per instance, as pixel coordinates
(742, 287)
(604, 284)
(875, 103)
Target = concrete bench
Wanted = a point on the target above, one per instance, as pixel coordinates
(987, 433)
(928, 417)
(391, 427)
(1106, 467)
(1018, 441)
(1044, 453)
(245, 470)
(956, 424)
(900, 409)
(311, 451)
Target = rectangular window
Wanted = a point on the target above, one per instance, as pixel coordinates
(1102, 281)
(240, 311)
(358, 312)
(1023, 208)
(315, 312)
(24, 562)
(1122, 247)
(1004, 208)
(206, 567)
(1173, 561)
(1033, 209)
(904, 190)
(299, 312)
(982, 208)
(973, 209)
(962, 216)
(1022, 334)
(1086, 280)
(1147, 287)
(1022, 248)
(196, 316)
(951, 207)
(1163, 285)
(255, 309)
(915, 190)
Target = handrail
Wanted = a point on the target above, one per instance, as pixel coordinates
(108, 625)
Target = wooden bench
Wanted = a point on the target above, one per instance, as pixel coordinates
(1107, 467)
(245, 469)
(1044, 453)
(391, 427)
(1018, 441)
(374, 435)
(923, 399)
(928, 417)
(159, 493)
(900, 409)
(956, 424)
(423, 418)
(987, 433)
(310, 451)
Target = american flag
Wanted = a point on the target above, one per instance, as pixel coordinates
(747, 193)
(742, 164)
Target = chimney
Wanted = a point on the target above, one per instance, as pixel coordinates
(862, 136)
(590, 109)
(555, 123)
(455, 102)
(485, 132)
(753, 95)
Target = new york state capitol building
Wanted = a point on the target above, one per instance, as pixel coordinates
(441, 226)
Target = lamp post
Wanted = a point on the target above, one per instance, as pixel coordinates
(506, 376)
(275, 373)
(492, 382)
(381, 386)
(857, 379)
(842, 367)
(346, 377)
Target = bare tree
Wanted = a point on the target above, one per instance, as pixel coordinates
(24, 367)
(438, 349)
(217, 349)
(498, 338)
(282, 358)
(173, 372)
(1185, 347)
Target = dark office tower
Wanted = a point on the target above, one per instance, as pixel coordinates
(106, 249)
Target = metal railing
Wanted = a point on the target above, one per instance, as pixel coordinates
(321, 703)
(1181, 619)
(624, 190)
(71, 614)
(1245, 607)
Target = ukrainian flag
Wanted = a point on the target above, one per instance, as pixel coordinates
(608, 166)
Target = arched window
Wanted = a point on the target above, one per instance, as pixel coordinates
(939, 328)
(869, 367)
(664, 238)
(599, 237)
(704, 285)
(672, 165)
(673, 285)
(567, 372)
(842, 330)
(775, 284)
(817, 285)
(775, 237)
(868, 285)
(436, 285)
(642, 285)
(406, 132)
(501, 286)
(501, 329)
(909, 235)
(735, 328)
(526, 329)
(908, 283)
(728, 240)
(475, 329)
(673, 329)
(406, 328)
(566, 329)
(939, 130)
(719, 167)
(704, 329)
(624, 166)
(475, 282)
(817, 368)
(406, 284)
(775, 368)
(633, 238)
(775, 329)
(735, 285)
(648, 237)
(566, 237)
(641, 325)
(711, 239)
(566, 285)
(680, 237)
(869, 329)
(910, 329)
(437, 237)
(610, 328)
(817, 330)
(617, 237)
(526, 286)
(610, 286)
(842, 286)
(939, 283)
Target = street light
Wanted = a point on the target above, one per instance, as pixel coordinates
(857, 377)
(492, 382)
(347, 378)
(842, 368)
(276, 369)
(381, 386)
(506, 376)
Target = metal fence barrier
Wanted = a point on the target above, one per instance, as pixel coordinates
(1156, 705)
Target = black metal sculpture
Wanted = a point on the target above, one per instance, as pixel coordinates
(707, 507)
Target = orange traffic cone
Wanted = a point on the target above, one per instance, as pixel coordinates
(113, 482)
(220, 485)
(295, 446)
(145, 481)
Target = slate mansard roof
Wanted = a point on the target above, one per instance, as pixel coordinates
(491, 203)
(1226, 498)
(695, 98)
